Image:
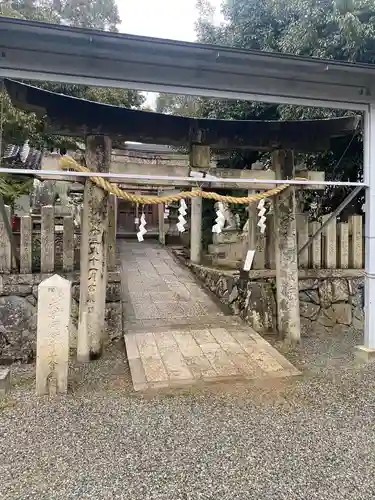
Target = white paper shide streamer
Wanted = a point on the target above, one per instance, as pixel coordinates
(142, 228)
(220, 218)
(182, 211)
(261, 214)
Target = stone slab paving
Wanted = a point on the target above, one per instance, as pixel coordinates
(175, 334)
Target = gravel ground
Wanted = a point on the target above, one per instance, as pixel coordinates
(308, 438)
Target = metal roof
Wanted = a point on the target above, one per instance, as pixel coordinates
(34, 50)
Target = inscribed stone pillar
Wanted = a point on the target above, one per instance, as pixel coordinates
(54, 302)
(287, 295)
(196, 229)
(5, 245)
(83, 341)
(68, 244)
(199, 160)
(47, 240)
(256, 239)
(26, 251)
(112, 231)
(94, 244)
(161, 223)
(252, 223)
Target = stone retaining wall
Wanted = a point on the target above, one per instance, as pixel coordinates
(324, 301)
(18, 313)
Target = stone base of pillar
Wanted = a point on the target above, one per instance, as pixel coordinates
(364, 354)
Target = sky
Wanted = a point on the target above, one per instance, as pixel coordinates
(173, 19)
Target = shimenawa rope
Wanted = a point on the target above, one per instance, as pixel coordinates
(67, 162)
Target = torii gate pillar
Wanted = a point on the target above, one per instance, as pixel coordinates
(286, 252)
(199, 160)
(94, 251)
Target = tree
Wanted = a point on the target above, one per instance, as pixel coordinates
(335, 29)
(174, 104)
(16, 125)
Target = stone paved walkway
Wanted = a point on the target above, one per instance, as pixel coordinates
(175, 334)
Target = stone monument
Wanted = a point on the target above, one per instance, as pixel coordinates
(54, 304)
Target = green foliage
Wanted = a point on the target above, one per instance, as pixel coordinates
(182, 105)
(13, 186)
(18, 125)
(334, 29)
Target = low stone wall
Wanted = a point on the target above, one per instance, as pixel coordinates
(18, 313)
(327, 297)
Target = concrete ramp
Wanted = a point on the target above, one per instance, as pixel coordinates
(176, 335)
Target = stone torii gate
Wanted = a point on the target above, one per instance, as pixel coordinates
(103, 125)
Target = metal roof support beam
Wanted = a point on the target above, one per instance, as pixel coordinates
(116, 177)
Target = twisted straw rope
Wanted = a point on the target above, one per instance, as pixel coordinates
(68, 162)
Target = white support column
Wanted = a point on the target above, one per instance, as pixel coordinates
(367, 351)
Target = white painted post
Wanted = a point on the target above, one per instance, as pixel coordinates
(47, 239)
(368, 349)
(54, 303)
(26, 248)
(5, 246)
(68, 244)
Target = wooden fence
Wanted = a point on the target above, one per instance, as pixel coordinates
(56, 245)
(52, 247)
(339, 246)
